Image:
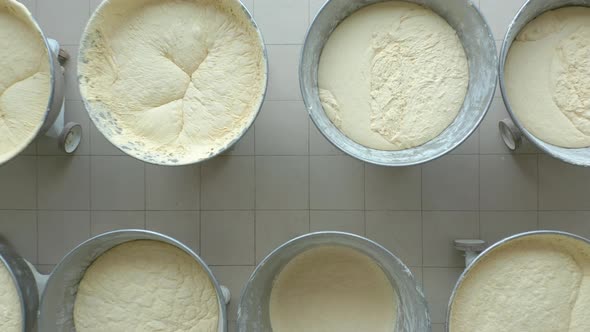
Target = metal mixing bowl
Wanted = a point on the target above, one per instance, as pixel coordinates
(492, 248)
(531, 10)
(253, 312)
(56, 96)
(103, 120)
(480, 48)
(26, 285)
(57, 302)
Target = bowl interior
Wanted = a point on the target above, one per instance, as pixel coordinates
(480, 49)
(57, 304)
(531, 10)
(253, 312)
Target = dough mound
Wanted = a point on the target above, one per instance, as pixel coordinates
(146, 286)
(548, 77)
(11, 319)
(25, 79)
(172, 81)
(538, 283)
(393, 76)
(332, 288)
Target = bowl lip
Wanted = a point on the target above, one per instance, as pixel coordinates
(6, 249)
(492, 248)
(507, 42)
(233, 142)
(441, 154)
(329, 235)
(155, 237)
(52, 60)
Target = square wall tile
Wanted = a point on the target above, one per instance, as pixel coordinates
(19, 183)
(107, 221)
(64, 183)
(19, 229)
(94, 4)
(100, 146)
(243, 147)
(438, 327)
(234, 278)
(45, 269)
(282, 129)
(575, 222)
(74, 112)
(282, 183)
(172, 188)
(508, 182)
(319, 145)
(30, 4)
(118, 183)
(393, 188)
(438, 286)
(338, 221)
(249, 4)
(459, 172)
(273, 228)
(184, 226)
(283, 76)
(52, 18)
(314, 8)
(227, 237)
(440, 231)
(337, 183)
(60, 232)
(563, 186)
(490, 139)
(228, 183)
(498, 225)
(282, 21)
(400, 232)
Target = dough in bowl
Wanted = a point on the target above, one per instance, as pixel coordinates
(172, 81)
(11, 319)
(146, 286)
(25, 79)
(538, 283)
(393, 76)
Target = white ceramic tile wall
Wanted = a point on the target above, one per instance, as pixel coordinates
(284, 179)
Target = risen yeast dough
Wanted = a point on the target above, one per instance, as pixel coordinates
(332, 289)
(393, 76)
(24, 79)
(172, 81)
(146, 286)
(533, 284)
(11, 319)
(547, 77)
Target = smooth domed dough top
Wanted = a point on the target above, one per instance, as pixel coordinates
(332, 289)
(11, 319)
(547, 77)
(393, 76)
(24, 79)
(533, 284)
(172, 81)
(146, 286)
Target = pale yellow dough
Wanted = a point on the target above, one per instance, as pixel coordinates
(146, 286)
(534, 284)
(11, 319)
(547, 77)
(25, 83)
(172, 81)
(332, 289)
(393, 76)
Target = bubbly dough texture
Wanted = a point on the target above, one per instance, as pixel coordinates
(146, 286)
(332, 289)
(547, 77)
(393, 76)
(538, 283)
(25, 79)
(172, 81)
(11, 319)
